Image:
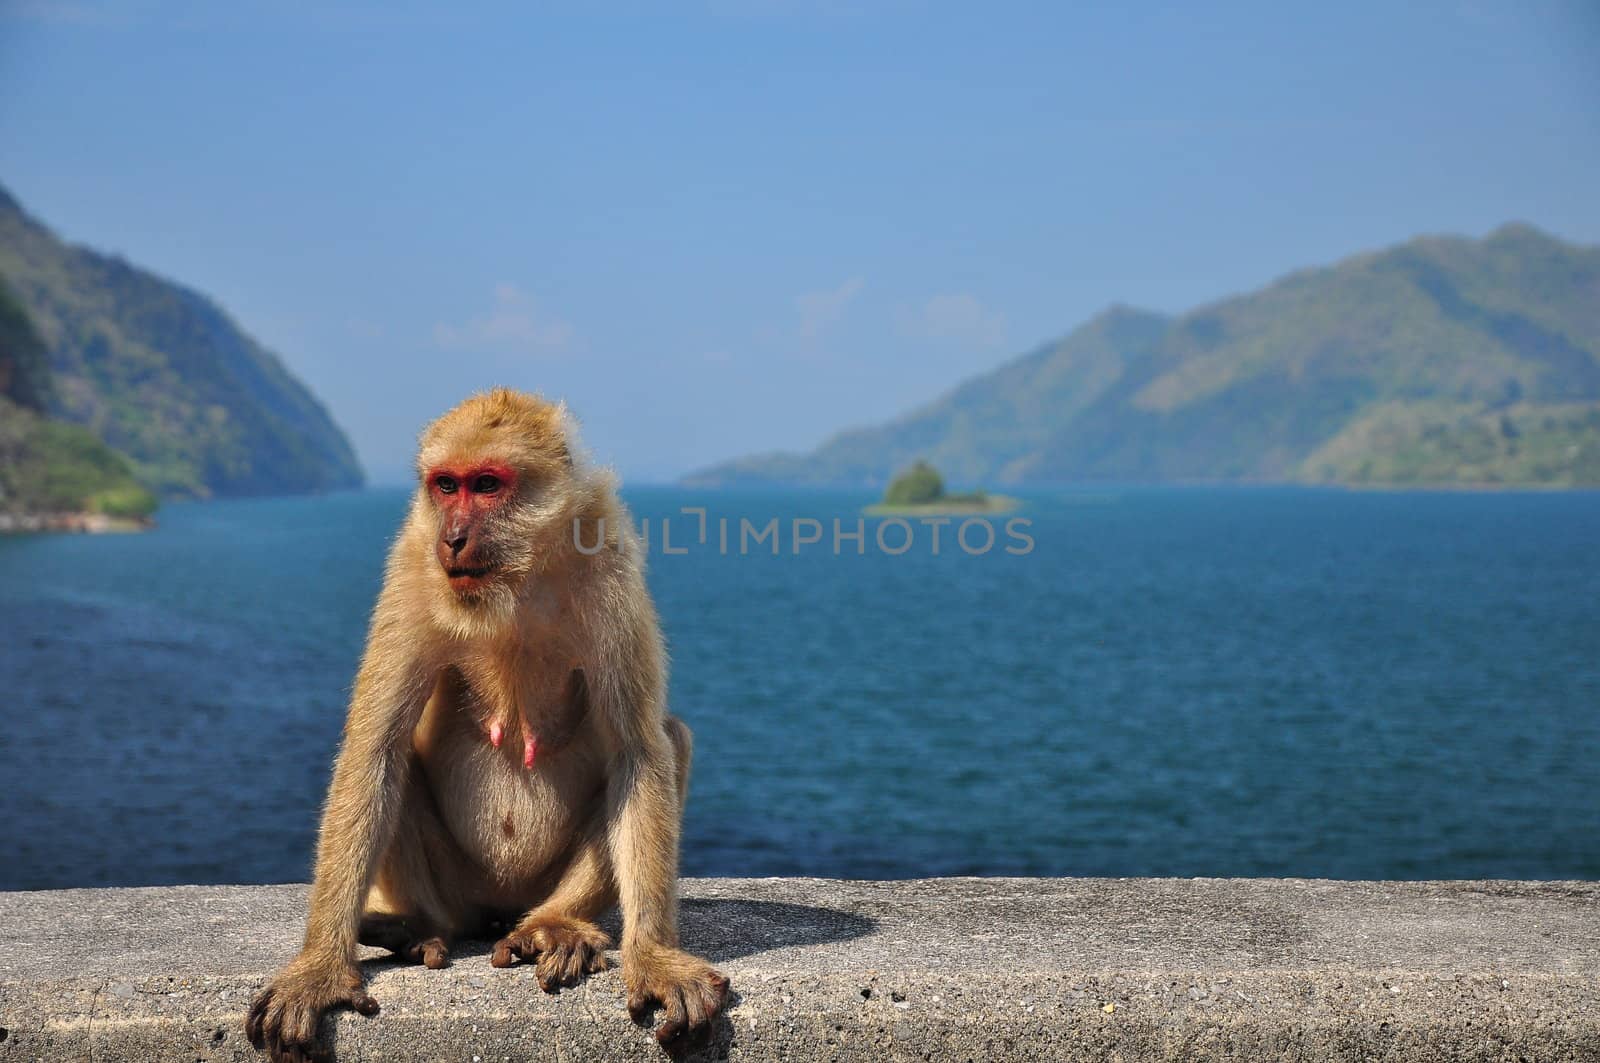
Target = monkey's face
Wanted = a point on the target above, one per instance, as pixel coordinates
(496, 489)
(470, 500)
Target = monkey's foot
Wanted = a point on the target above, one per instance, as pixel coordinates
(690, 991)
(407, 938)
(564, 951)
(284, 1016)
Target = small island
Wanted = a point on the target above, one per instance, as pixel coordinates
(920, 490)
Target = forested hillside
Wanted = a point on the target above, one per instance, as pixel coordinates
(48, 467)
(162, 375)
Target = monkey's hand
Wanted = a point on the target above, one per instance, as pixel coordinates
(284, 1016)
(565, 950)
(690, 991)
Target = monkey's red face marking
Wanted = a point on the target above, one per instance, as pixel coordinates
(467, 496)
(471, 484)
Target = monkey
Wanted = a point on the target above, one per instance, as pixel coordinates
(507, 752)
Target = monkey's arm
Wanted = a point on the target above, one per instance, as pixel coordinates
(357, 823)
(644, 821)
(368, 780)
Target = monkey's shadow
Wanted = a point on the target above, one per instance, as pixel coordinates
(719, 929)
(722, 929)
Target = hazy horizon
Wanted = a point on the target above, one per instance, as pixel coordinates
(744, 227)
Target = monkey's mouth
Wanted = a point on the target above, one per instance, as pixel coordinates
(468, 575)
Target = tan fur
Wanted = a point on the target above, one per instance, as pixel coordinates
(428, 829)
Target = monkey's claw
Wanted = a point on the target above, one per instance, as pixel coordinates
(690, 991)
(284, 1017)
(563, 951)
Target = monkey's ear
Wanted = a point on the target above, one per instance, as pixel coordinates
(571, 449)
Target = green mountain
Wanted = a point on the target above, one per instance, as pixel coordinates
(47, 466)
(162, 375)
(24, 362)
(1441, 361)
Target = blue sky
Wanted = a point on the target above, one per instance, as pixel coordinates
(732, 227)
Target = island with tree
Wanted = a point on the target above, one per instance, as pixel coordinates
(920, 490)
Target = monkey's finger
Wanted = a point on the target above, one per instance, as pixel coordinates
(568, 963)
(291, 1053)
(363, 1002)
(435, 956)
(281, 1051)
(677, 1019)
(537, 940)
(702, 1004)
(294, 1050)
(308, 1047)
(310, 1052)
(548, 972)
(252, 1021)
(299, 1027)
(507, 951)
(639, 1002)
(552, 966)
(272, 1025)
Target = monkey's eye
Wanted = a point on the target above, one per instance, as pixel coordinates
(445, 484)
(486, 484)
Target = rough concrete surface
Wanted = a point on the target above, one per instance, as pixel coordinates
(980, 969)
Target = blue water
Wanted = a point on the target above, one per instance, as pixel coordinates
(1171, 682)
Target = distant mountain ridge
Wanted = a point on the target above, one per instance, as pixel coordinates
(1441, 361)
(161, 374)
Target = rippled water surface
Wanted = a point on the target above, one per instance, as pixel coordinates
(1172, 682)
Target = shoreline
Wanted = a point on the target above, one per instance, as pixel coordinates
(992, 504)
(80, 523)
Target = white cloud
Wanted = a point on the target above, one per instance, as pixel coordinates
(958, 318)
(819, 311)
(514, 323)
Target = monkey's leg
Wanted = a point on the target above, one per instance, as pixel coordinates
(408, 937)
(412, 910)
(559, 934)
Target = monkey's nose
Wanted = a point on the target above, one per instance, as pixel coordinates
(457, 544)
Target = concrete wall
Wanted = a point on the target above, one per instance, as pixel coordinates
(1058, 969)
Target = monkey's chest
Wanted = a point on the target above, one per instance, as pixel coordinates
(513, 777)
